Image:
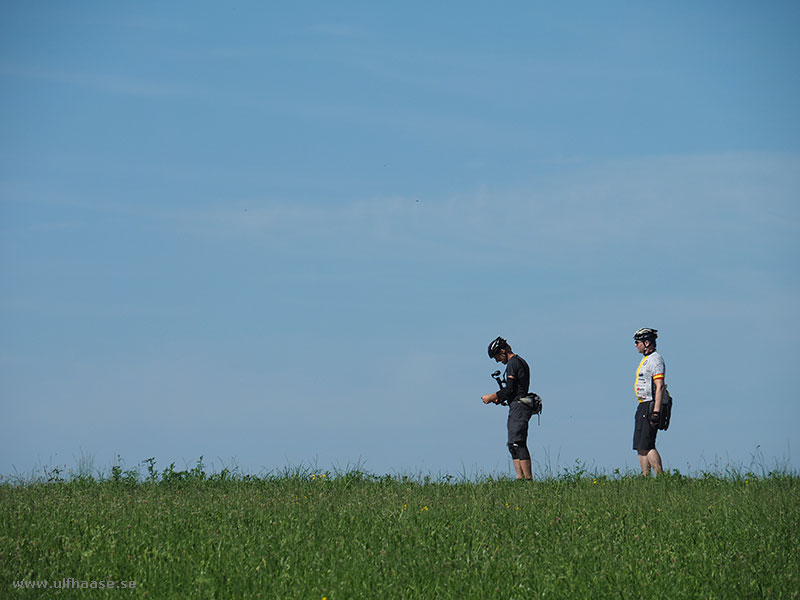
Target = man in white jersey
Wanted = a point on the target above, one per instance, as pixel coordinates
(649, 388)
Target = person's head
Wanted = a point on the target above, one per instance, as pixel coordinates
(499, 350)
(645, 340)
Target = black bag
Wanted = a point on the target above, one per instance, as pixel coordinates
(666, 411)
(534, 401)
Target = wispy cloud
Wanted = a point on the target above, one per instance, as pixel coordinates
(335, 30)
(584, 201)
(692, 203)
(109, 83)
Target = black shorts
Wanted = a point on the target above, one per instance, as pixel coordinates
(644, 434)
(518, 416)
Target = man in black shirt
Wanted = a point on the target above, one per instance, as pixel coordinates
(518, 378)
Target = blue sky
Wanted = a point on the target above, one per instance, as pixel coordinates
(275, 235)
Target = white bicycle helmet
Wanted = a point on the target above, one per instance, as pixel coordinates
(645, 334)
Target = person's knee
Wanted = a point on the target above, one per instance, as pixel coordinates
(519, 452)
(512, 450)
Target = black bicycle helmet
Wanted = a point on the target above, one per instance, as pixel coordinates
(497, 344)
(645, 334)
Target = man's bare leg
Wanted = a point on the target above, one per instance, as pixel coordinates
(644, 463)
(654, 458)
(523, 469)
(648, 459)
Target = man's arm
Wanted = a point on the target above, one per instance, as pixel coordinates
(502, 395)
(509, 392)
(490, 399)
(658, 396)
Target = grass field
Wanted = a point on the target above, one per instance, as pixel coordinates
(306, 535)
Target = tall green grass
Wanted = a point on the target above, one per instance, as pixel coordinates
(305, 534)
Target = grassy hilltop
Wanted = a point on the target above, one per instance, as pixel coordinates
(354, 535)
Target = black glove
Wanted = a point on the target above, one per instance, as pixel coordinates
(655, 418)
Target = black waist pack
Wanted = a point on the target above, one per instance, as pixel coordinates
(534, 401)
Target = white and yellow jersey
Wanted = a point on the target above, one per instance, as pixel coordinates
(651, 368)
